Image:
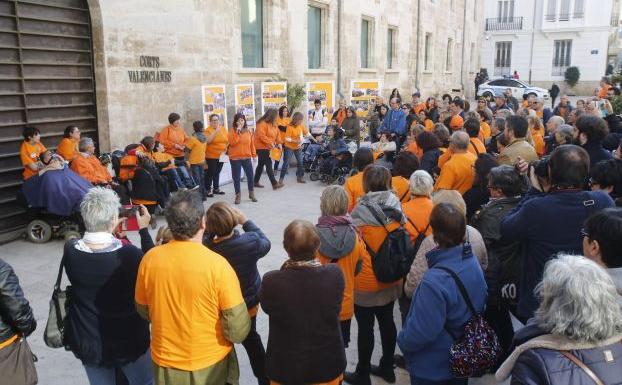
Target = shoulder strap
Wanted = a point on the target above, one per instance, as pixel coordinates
(415, 226)
(581, 365)
(404, 195)
(59, 277)
(474, 147)
(461, 287)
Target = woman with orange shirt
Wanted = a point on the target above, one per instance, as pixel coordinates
(536, 128)
(405, 164)
(217, 140)
(197, 144)
(266, 138)
(354, 184)
(30, 150)
(296, 132)
(68, 146)
(241, 151)
(282, 122)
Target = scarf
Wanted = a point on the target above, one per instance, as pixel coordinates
(380, 204)
(98, 238)
(330, 221)
(291, 264)
(200, 136)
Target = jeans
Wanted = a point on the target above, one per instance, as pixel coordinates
(212, 174)
(256, 352)
(276, 165)
(388, 334)
(300, 170)
(198, 172)
(236, 172)
(263, 160)
(453, 381)
(345, 331)
(174, 179)
(139, 372)
(182, 171)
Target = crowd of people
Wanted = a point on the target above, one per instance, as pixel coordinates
(472, 219)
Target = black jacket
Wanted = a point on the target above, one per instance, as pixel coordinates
(596, 152)
(475, 198)
(15, 312)
(243, 251)
(429, 160)
(351, 127)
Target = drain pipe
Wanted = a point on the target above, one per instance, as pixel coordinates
(533, 33)
(339, 6)
(463, 50)
(417, 49)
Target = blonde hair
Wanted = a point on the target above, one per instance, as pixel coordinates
(452, 197)
(535, 123)
(334, 201)
(164, 235)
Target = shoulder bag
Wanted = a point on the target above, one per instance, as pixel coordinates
(54, 335)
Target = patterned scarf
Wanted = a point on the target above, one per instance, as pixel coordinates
(291, 264)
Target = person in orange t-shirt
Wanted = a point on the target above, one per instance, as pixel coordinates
(241, 151)
(354, 184)
(457, 173)
(341, 113)
(173, 137)
(217, 139)
(536, 128)
(68, 146)
(266, 138)
(456, 108)
(30, 151)
(472, 128)
(295, 134)
(88, 166)
(605, 85)
(282, 122)
(197, 144)
(405, 164)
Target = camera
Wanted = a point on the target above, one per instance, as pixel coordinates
(128, 211)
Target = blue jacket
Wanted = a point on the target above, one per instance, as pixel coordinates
(546, 225)
(597, 152)
(437, 303)
(243, 251)
(394, 123)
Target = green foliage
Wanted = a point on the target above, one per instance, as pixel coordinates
(616, 103)
(296, 93)
(571, 76)
(616, 79)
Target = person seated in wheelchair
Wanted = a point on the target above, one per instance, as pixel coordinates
(336, 152)
(384, 151)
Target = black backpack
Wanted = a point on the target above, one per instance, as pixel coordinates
(420, 237)
(393, 259)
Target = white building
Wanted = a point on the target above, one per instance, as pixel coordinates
(542, 38)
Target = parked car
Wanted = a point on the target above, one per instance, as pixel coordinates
(495, 87)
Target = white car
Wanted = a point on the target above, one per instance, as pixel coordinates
(497, 87)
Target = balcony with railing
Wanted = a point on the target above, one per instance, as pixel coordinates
(504, 23)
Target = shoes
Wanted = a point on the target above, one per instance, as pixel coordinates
(355, 378)
(218, 192)
(209, 194)
(278, 185)
(194, 188)
(399, 360)
(251, 196)
(387, 374)
(258, 185)
(301, 179)
(237, 198)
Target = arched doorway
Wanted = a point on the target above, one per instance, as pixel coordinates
(46, 81)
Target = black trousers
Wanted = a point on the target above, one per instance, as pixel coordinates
(212, 174)
(263, 160)
(345, 331)
(388, 335)
(256, 353)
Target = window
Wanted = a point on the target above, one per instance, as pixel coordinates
(503, 58)
(252, 33)
(391, 40)
(564, 11)
(366, 38)
(578, 9)
(314, 37)
(551, 10)
(427, 59)
(561, 56)
(505, 10)
(450, 48)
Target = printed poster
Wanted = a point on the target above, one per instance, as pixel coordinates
(273, 95)
(214, 102)
(363, 91)
(325, 92)
(245, 103)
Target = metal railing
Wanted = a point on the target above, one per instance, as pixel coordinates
(502, 71)
(504, 23)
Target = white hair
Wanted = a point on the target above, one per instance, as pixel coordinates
(557, 120)
(100, 209)
(84, 144)
(579, 300)
(421, 183)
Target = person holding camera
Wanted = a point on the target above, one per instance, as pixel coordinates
(549, 218)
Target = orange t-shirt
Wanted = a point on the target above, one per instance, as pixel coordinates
(219, 144)
(266, 136)
(197, 150)
(484, 131)
(295, 135)
(242, 145)
(456, 122)
(366, 280)
(418, 211)
(186, 287)
(428, 124)
(348, 264)
(171, 135)
(282, 122)
(354, 189)
(476, 147)
(419, 107)
(538, 142)
(341, 116)
(401, 187)
(29, 154)
(163, 157)
(91, 169)
(457, 173)
(68, 149)
(602, 93)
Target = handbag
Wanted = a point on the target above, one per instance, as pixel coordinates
(54, 334)
(276, 153)
(478, 350)
(17, 363)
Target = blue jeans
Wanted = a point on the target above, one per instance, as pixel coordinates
(197, 171)
(139, 372)
(236, 172)
(300, 170)
(182, 171)
(174, 179)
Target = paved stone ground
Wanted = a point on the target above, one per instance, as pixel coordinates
(36, 267)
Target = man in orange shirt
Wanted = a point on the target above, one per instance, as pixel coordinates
(417, 104)
(605, 85)
(88, 166)
(30, 150)
(457, 173)
(294, 135)
(192, 336)
(472, 128)
(456, 108)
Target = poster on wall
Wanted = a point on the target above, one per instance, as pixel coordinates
(214, 102)
(361, 94)
(273, 95)
(245, 103)
(325, 92)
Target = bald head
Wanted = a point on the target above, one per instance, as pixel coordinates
(459, 141)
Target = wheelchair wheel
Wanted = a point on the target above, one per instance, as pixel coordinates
(314, 176)
(39, 231)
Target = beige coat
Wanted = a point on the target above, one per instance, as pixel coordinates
(518, 148)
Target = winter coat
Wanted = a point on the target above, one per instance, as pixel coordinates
(352, 127)
(546, 225)
(394, 123)
(243, 251)
(437, 304)
(596, 152)
(16, 314)
(537, 359)
(429, 161)
(475, 197)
